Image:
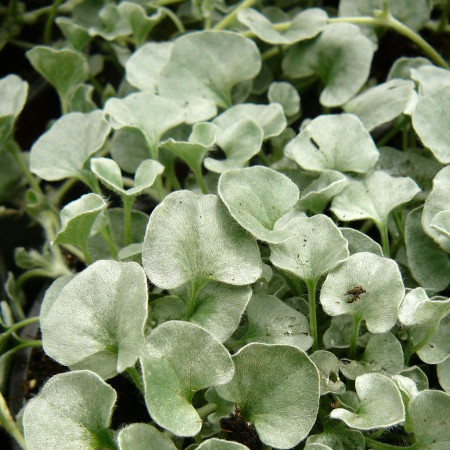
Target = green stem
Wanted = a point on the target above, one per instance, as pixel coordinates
(354, 338)
(31, 343)
(50, 20)
(62, 191)
(382, 228)
(200, 180)
(206, 410)
(19, 325)
(9, 424)
(127, 204)
(32, 16)
(392, 132)
(370, 443)
(174, 18)
(399, 225)
(230, 17)
(312, 285)
(263, 158)
(136, 377)
(384, 19)
(191, 300)
(33, 273)
(20, 43)
(411, 348)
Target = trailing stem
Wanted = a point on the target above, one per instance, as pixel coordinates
(354, 338)
(312, 285)
(230, 17)
(8, 423)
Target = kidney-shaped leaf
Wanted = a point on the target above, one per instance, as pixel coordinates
(143, 437)
(82, 135)
(256, 198)
(382, 283)
(317, 247)
(204, 66)
(192, 238)
(73, 410)
(340, 56)
(97, 321)
(305, 25)
(335, 142)
(180, 358)
(381, 404)
(277, 389)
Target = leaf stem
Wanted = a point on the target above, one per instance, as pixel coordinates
(206, 410)
(312, 285)
(230, 17)
(33, 273)
(50, 19)
(9, 424)
(127, 204)
(200, 180)
(382, 228)
(19, 325)
(382, 446)
(393, 131)
(385, 19)
(354, 338)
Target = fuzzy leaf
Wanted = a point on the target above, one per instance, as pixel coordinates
(305, 25)
(437, 348)
(334, 142)
(73, 410)
(98, 318)
(277, 389)
(430, 120)
(73, 32)
(286, 95)
(340, 56)
(383, 354)
(430, 78)
(13, 94)
(381, 103)
(82, 134)
(338, 335)
(257, 197)
(374, 199)
(206, 82)
(429, 264)
(328, 365)
(180, 358)
(383, 285)
(339, 439)
(152, 114)
(63, 69)
(143, 437)
(381, 404)
(360, 242)
(443, 373)
(317, 247)
(192, 238)
(219, 444)
(224, 408)
(77, 219)
(438, 204)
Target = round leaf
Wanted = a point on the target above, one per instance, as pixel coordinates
(437, 348)
(285, 94)
(328, 365)
(257, 197)
(339, 438)
(73, 410)
(98, 318)
(192, 238)
(143, 437)
(317, 247)
(82, 135)
(335, 142)
(443, 372)
(219, 444)
(382, 282)
(381, 404)
(180, 358)
(360, 242)
(277, 389)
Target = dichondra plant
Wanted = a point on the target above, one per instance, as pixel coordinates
(265, 271)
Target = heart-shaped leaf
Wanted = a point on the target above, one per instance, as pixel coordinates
(206, 82)
(82, 134)
(192, 238)
(286, 95)
(180, 358)
(334, 142)
(277, 389)
(91, 310)
(328, 365)
(305, 25)
(430, 120)
(340, 56)
(383, 288)
(381, 103)
(143, 437)
(73, 32)
(317, 247)
(257, 197)
(73, 410)
(381, 404)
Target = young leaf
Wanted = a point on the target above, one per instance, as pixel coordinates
(360, 242)
(381, 103)
(328, 365)
(63, 69)
(73, 32)
(82, 134)
(180, 358)
(219, 444)
(13, 94)
(107, 331)
(277, 389)
(340, 56)
(72, 410)
(381, 404)
(286, 95)
(257, 197)
(305, 25)
(339, 334)
(430, 120)
(192, 238)
(334, 142)
(383, 288)
(205, 82)
(317, 247)
(143, 437)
